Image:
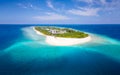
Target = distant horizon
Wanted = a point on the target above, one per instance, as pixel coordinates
(60, 24)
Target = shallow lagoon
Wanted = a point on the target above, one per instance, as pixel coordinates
(23, 52)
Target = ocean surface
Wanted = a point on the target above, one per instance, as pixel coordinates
(23, 52)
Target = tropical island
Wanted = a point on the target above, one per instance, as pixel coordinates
(62, 36)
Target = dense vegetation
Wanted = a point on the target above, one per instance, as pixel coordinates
(70, 33)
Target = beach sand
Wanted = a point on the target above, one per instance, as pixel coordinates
(58, 41)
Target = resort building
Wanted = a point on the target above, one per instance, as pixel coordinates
(57, 31)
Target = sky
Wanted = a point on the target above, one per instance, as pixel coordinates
(59, 11)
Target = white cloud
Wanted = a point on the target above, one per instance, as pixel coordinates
(28, 6)
(52, 16)
(94, 1)
(87, 1)
(103, 1)
(85, 11)
(50, 5)
(22, 5)
(95, 6)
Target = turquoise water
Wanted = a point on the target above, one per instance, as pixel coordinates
(29, 54)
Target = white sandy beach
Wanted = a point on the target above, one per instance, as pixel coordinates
(58, 41)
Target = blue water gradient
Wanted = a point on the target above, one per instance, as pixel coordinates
(23, 52)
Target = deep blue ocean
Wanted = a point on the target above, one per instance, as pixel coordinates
(23, 52)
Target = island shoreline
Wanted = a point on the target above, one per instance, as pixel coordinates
(59, 41)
